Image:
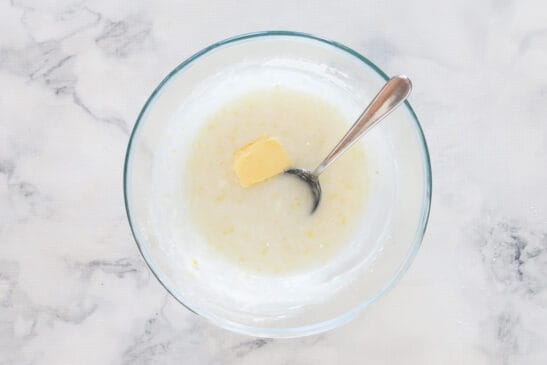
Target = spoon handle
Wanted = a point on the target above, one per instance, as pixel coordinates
(394, 92)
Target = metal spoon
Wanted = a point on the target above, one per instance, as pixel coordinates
(394, 92)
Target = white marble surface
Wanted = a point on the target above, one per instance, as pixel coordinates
(74, 74)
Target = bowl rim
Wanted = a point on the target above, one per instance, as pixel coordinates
(319, 326)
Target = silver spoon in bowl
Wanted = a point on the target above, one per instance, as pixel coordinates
(394, 92)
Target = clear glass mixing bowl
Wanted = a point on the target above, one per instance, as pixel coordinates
(286, 306)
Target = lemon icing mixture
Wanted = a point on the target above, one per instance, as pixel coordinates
(251, 214)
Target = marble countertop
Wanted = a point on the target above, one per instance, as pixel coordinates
(74, 74)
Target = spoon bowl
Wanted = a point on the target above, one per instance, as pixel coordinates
(313, 182)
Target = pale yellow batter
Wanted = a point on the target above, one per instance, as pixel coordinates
(267, 228)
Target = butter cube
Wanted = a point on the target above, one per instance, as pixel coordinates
(260, 160)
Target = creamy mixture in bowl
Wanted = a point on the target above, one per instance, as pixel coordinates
(267, 228)
(251, 257)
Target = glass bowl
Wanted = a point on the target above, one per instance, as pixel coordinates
(288, 305)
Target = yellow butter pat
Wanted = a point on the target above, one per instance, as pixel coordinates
(260, 160)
